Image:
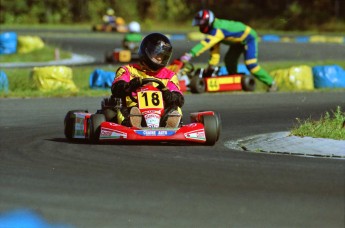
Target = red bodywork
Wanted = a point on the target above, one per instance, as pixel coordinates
(192, 132)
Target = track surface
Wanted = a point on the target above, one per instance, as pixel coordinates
(170, 185)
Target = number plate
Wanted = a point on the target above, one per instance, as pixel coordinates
(150, 100)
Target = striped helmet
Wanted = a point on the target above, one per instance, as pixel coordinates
(204, 19)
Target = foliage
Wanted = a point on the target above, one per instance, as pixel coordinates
(282, 15)
(331, 125)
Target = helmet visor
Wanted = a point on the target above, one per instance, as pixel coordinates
(198, 21)
(160, 53)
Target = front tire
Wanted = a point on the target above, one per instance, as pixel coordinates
(211, 129)
(69, 123)
(95, 127)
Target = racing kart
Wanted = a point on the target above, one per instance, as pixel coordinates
(109, 28)
(202, 80)
(125, 54)
(204, 127)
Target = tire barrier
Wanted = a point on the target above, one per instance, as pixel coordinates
(100, 79)
(27, 44)
(8, 43)
(3, 82)
(52, 78)
(294, 78)
(332, 76)
(197, 36)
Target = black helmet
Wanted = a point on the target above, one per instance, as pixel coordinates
(155, 51)
(204, 19)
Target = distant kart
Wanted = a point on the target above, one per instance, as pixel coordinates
(109, 28)
(123, 55)
(202, 81)
(204, 127)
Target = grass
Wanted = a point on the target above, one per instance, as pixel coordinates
(21, 85)
(330, 125)
(47, 53)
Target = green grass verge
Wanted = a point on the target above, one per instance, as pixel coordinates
(47, 53)
(330, 125)
(21, 85)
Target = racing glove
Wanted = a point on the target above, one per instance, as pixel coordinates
(186, 57)
(172, 98)
(134, 84)
(119, 89)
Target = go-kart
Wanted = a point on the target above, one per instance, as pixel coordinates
(204, 127)
(113, 27)
(125, 54)
(203, 80)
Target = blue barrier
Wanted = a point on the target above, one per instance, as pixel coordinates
(241, 69)
(3, 82)
(270, 38)
(100, 79)
(25, 218)
(332, 76)
(8, 43)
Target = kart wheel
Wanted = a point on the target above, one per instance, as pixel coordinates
(95, 126)
(219, 124)
(108, 57)
(211, 129)
(197, 85)
(69, 122)
(109, 114)
(248, 82)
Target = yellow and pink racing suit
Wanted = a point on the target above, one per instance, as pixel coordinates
(128, 72)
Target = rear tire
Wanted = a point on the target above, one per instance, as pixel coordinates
(248, 83)
(108, 57)
(95, 127)
(69, 122)
(197, 85)
(211, 129)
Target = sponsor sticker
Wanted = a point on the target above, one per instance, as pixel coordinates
(107, 134)
(155, 132)
(198, 135)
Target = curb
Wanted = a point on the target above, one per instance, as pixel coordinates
(284, 143)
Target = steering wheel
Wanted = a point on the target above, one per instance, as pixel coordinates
(160, 86)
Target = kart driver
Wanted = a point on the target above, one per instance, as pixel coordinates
(132, 39)
(241, 39)
(154, 54)
(109, 18)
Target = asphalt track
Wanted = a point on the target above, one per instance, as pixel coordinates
(171, 185)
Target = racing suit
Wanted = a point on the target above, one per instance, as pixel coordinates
(173, 97)
(241, 39)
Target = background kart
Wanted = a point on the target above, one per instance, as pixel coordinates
(203, 81)
(121, 28)
(204, 127)
(123, 55)
(200, 81)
